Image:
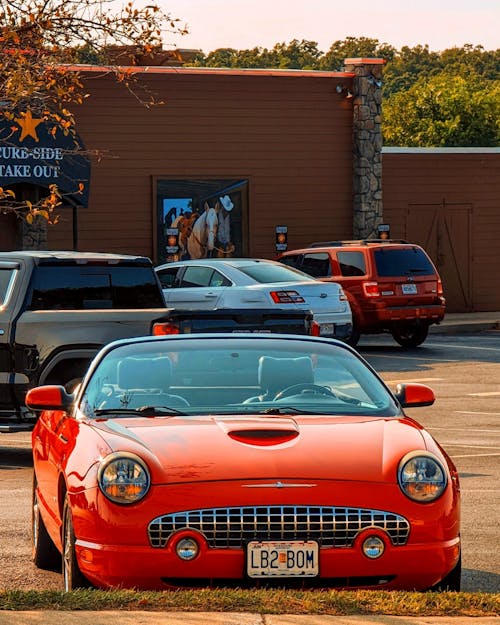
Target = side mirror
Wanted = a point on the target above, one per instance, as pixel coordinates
(414, 395)
(48, 398)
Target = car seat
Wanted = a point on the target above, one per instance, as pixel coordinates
(276, 374)
(146, 382)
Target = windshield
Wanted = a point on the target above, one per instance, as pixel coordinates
(233, 375)
(269, 273)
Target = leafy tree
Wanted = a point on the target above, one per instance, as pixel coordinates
(354, 47)
(222, 57)
(444, 110)
(296, 55)
(409, 65)
(39, 39)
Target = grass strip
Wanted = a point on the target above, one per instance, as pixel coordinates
(261, 601)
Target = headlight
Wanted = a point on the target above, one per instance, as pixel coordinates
(421, 477)
(123, 478)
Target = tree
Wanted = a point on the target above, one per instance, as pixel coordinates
(38, 43)
(354, 47)
(444, 110)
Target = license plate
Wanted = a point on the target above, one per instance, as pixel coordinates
(282, 559)
(409, 289)
(326, 328)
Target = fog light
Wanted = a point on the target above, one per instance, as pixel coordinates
(187, 549)
(373, 547)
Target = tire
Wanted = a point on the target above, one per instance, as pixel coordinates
(44, 553)
(355, 335)
(73, 578)
(411, 335)
(452, 581)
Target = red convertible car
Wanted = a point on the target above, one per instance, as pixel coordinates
(236, 459)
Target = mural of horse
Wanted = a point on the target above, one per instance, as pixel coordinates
(201, 242)
(184, 223)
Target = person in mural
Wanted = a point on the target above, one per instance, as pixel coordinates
(225, 246)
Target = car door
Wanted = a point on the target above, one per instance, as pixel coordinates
(198, 287)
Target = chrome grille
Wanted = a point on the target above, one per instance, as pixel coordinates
(231, 528)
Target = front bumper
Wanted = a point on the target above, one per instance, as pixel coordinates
(114, 547)
(414, 567)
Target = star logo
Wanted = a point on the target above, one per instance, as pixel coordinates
(28, 126)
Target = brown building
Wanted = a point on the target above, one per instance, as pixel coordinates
(294, 149)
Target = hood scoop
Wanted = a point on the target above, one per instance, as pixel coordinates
(260, 432)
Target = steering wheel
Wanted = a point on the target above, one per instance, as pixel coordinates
(294, 389)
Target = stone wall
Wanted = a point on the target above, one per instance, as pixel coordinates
(367, 145)
(33, 236)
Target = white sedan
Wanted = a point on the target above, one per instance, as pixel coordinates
(206, 284)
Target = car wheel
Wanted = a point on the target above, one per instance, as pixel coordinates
(452, 581)
(43, 551)
(72, 576)
(410, 335)
(354, 336)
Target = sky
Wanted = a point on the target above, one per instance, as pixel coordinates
(244, 24)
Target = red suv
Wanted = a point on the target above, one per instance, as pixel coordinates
(392, 286)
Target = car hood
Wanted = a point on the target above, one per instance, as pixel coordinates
(191, 449)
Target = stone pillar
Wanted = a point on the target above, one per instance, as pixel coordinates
(367, 145)
(34, 235)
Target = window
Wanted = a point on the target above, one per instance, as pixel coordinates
(403, 262)
(292, 260)
(317, 265)
(218, 279)
(351, 263)
(7, 277)
(168, 277)
(268, 273)
(197, 276)
(79, 287)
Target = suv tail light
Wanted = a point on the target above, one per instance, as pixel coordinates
(371, 289)
(162, 329)
(286, 297)
(439, 287)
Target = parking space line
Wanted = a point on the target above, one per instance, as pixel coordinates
(473, 455)
(415, 380)
(497, 431)
(490, 394)
(472, 446)
(422, 358)
(474, 412)
(474, 347)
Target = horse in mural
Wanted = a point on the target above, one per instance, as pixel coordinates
(201, 242)
(184, 223)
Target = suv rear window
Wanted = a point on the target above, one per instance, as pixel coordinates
(80, 287)
(402, 262)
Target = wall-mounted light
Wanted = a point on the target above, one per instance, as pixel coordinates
(374, 81)
(341, 89)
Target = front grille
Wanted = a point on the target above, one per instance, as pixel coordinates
(231, 528)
